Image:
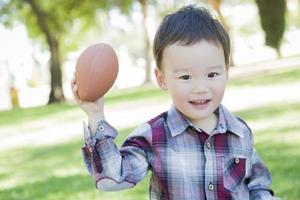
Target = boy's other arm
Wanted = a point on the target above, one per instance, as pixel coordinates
(113, 168)
(260, 180)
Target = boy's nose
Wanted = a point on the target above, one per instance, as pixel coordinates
(199, 86)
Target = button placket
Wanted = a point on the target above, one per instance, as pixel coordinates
(236, 160)
(101, 128)
(207, 145)
(211, 187)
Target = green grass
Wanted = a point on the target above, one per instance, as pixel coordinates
(20, 115)
(278, 142)
(133, 94)
(53, 172)
(288, 75)
(57, 172)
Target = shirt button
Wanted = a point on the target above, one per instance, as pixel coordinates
(208, 145)
(90, 149)
(211, 187)
(101, 128)
(236, 160)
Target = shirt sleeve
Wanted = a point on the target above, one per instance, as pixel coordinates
(113, 168)
(260, 180)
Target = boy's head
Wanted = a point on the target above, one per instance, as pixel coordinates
(192, 55)
(188, 26)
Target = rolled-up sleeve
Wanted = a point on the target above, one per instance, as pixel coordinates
(113, 168)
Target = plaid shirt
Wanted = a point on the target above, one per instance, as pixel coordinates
(186, 163)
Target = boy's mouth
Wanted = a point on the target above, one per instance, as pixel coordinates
(200, 102)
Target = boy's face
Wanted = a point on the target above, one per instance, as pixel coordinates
(195, 76)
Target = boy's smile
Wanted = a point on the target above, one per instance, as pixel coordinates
(196, 76)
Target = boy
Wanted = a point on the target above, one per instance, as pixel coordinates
(197, 149)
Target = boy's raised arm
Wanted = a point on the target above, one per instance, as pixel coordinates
(112, 168)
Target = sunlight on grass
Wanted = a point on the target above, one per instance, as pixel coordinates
(57, 171)
(52, 172)
(70, 111)
(276, 135)
(268, 78)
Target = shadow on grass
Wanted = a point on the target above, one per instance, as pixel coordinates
(19, 115)
(268, 78)
(51, 186)
(283, 162)
(270, 111)
(279, 146)
(56, 172)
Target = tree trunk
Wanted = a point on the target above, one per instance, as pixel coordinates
(278, 52)
(216, 4)
(147, 47)
(56, 92)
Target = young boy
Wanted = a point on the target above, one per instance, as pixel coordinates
(197, 149)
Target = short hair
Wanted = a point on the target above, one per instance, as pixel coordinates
(189, 25)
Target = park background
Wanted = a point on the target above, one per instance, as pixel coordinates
(41, 135)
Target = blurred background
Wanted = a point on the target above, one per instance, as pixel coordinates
(41, 127)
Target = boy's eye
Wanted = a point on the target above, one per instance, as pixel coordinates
(212, 74)
(185, 77)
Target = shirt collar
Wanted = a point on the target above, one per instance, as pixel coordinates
(229, 122)
(177, 123)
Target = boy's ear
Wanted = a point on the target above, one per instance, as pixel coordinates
(160, 77)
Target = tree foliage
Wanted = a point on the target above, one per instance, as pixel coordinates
(54, 23)
(272, 17)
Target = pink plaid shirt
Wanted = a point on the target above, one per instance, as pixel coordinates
(186, 163)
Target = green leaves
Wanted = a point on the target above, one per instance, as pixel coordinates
(272, 17)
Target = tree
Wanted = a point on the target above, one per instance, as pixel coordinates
(147, 43)
(53, 23)
(216, 5)
(272, 17)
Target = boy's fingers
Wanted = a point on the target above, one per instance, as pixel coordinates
(73, 81)
(74, 88)
(75, 92)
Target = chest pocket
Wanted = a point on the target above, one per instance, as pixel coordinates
(234, 171)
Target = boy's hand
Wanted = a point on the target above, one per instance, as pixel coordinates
(94, 110)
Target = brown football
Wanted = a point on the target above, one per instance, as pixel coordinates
(96, 71)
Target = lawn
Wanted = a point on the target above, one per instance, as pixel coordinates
(57, 172)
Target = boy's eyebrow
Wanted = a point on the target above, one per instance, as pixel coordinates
(216, 67)
(186, 69)
(180, 70)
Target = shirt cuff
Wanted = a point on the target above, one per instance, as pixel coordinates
(262, 195)
(104, 131)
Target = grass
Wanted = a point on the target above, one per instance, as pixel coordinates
(57, 171)
(25, 175)
(268, 78)
(278, 142)
(19, 115)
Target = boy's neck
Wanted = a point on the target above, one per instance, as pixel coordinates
(207, 124)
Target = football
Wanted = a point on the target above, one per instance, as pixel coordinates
(96, 71)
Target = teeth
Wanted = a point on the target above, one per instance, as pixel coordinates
(199, 101)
